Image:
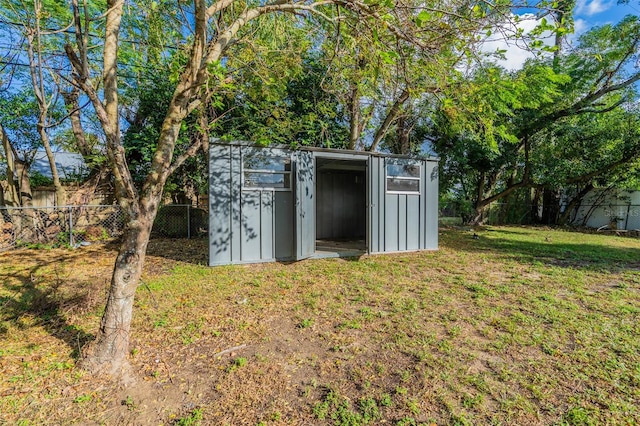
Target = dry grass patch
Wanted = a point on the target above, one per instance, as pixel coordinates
(522, 326)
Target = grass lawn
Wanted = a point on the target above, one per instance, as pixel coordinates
(521, 326)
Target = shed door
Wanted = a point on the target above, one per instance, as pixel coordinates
(305, 205)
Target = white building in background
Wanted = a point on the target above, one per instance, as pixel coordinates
(70, 165)
(602, 207)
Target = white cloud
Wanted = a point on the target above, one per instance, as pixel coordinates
(516, 50)
(580, 26)
(592, 7)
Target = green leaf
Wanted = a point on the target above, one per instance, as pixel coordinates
(389, 57)
(422, 18)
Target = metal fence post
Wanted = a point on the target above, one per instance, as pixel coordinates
(189, 221)
(626, 221)
(70, 226)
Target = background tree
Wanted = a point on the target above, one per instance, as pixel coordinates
(19, 116)
(513, 112)
(585, 152)
(31, 18)
(35, 33)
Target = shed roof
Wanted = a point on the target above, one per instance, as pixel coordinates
(218, 141)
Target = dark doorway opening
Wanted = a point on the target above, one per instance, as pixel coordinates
(341, 207)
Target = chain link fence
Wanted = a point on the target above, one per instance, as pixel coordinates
(496, 214)
(618, 217)
(73, 226)
(180, 221)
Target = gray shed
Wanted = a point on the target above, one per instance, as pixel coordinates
(277, 203)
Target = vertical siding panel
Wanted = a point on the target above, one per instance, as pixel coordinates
(310, 223)
(413, 222)
(250, 231)
(236, 203)
(284, 225)
(382, 203)
(266, 225)
(402, 222)
(424, 190)
(220, 206)
(372, 200)
(305, 204)
(391, 222)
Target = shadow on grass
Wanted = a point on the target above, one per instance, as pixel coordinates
(571, 255)
(575, 254)
(194, 250)
(46, 303)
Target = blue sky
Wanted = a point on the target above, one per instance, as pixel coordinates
(591, 13)
(587, 14)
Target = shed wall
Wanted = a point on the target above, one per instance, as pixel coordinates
(403, 222)
(246, 226)
(249, 225)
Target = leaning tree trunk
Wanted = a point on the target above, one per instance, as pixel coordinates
(24, 221)
(73, 108)
(477, 217)
(61, 194)
(108, 352)
(34, 54)
(12, 195)
(573, 205)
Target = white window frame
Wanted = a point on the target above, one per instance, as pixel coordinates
(388, 176)
(267, 172)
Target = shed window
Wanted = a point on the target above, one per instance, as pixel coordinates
(266, 172)
(403, 178)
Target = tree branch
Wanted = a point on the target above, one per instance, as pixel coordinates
(588, 176)
(217, 7)
(391, 116)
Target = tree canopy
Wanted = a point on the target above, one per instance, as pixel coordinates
(556, 122)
